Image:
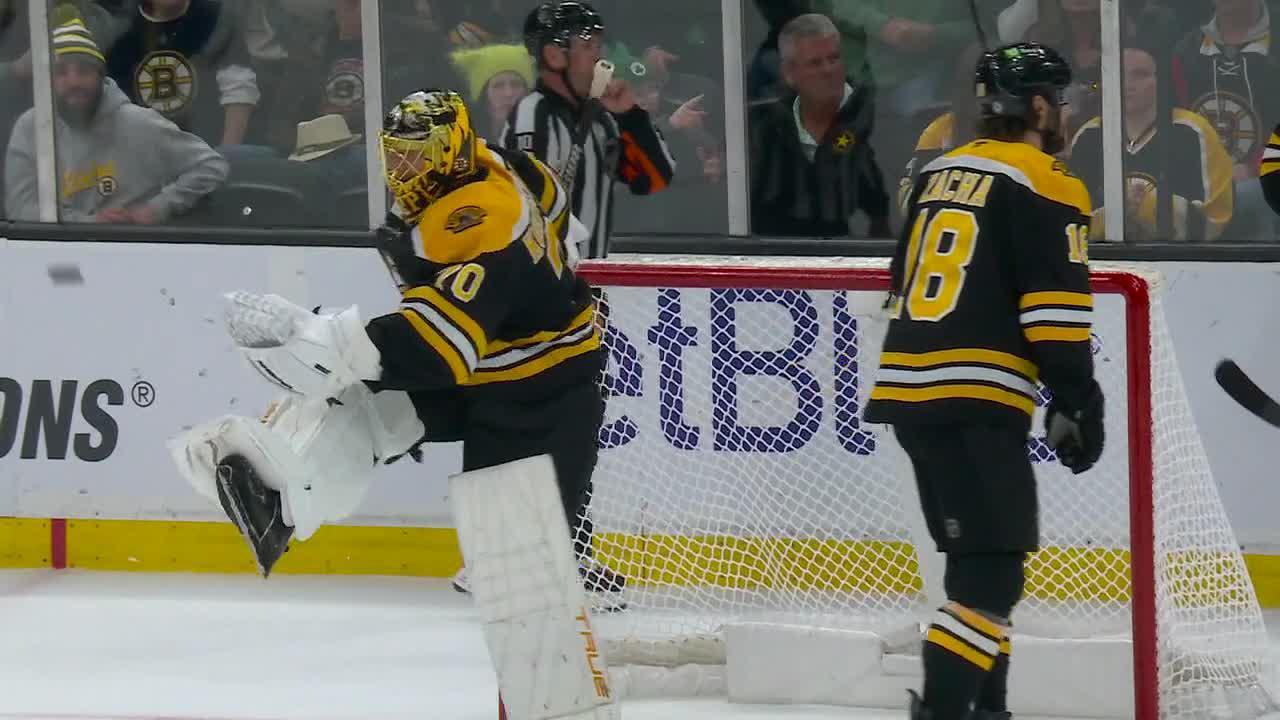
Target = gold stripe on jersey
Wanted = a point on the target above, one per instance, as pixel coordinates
(1055, 297)
(954, 392)
(1051, 333)
(1271, 155)
(539, 358)
(578, 322)
(969, 356)
(1023, 164)
(459, 319)
(447, 352)
(1056, 316)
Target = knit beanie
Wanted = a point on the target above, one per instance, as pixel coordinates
(72, 37)
(480, 65)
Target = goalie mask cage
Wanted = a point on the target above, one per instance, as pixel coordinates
(738, 488)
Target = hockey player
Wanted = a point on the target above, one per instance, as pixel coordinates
(623, 145)
(990, 294)
(1269, 172)
(494, 344)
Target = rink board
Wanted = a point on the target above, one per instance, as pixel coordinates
(136, 353)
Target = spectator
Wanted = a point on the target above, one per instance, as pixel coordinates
(415, 46)
(285, 42)
(1226, 72)
(187, 59)
(15, 55)
(686, 127)
(904, 50)
(691, 45)
(497, 77)
(1199, 172)
(320, 184)
(342, 92)
(812, 169)
(117, 162)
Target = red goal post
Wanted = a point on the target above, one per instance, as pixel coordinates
(699, 343)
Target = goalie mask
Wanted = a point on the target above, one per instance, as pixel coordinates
(428, 148)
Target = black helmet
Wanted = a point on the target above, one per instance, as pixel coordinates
(1008, 77)
(554, 23)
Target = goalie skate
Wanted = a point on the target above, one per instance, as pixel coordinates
(255, 509)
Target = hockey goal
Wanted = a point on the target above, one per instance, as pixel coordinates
(773, 541)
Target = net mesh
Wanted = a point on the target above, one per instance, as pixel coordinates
(737, 482)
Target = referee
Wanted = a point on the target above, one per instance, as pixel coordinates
(566, 40)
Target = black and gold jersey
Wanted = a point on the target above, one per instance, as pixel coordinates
(937, 138)
(503, 312)
(990, 290)
(1199, 173)
(1269, 171)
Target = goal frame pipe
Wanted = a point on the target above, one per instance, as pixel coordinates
(1137, 297)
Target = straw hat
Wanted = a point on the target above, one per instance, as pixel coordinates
(319, 137)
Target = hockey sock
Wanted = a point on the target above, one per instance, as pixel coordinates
(995, 688)
(960, 650)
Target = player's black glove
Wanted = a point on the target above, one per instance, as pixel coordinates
(1076, 433)
(392, 239)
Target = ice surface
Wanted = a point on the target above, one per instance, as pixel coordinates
(129, 646)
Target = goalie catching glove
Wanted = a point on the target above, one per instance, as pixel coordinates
(300, 351)
(1076, 433)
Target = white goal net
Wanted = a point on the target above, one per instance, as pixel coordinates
(738, 484)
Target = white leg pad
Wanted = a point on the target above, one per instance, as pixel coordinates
(318, 456)
(526, 586)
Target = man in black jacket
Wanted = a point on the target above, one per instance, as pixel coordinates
(812, 167)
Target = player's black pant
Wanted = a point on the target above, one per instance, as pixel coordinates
(977, 488)
(978, 495)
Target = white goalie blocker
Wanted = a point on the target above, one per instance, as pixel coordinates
(320, 442)
(529, 594)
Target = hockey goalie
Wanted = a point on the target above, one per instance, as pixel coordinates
(495, 343)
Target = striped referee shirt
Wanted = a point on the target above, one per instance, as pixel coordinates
(625, 147)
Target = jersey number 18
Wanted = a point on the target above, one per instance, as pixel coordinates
(940, 249)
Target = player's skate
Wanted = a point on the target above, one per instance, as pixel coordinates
(256, 510)
(989, 715)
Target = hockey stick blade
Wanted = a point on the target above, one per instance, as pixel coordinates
(1244, 391)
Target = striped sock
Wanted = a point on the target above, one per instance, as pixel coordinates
(995, 688)
(960, 650)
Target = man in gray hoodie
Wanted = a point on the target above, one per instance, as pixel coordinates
(117, 162)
